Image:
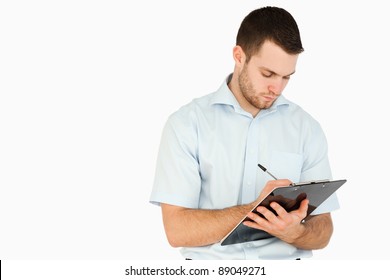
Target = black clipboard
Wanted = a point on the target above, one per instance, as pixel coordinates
(290, 198)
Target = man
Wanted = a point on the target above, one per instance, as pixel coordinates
(207, 176)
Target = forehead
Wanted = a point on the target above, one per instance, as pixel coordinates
(274, 58)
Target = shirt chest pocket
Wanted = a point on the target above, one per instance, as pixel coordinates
(286, 165)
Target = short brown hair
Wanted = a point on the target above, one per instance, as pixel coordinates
(269, 23)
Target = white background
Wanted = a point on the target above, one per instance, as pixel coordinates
(86, 87)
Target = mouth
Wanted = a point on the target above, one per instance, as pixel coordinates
(269, 98)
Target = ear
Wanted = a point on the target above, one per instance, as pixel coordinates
(239, 56)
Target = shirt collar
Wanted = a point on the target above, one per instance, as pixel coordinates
(225, 96)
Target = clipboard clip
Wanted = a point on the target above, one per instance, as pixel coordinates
(310, 182)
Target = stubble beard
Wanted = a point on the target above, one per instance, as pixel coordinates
(249, 93)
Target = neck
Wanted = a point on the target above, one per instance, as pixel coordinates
(245, 105)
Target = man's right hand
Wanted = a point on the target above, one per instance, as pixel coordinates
(270, 186)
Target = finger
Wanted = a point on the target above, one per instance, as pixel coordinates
(304, 204)
(261, 222)
(302, 210)
(279, 209)
(253, 225)
(268, 214)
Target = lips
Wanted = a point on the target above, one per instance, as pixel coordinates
(269, 98)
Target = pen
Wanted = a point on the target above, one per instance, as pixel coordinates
(265, 170)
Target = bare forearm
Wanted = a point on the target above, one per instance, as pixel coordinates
(195, 227)
(314, 234)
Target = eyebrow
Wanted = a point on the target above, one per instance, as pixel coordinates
(274, 73)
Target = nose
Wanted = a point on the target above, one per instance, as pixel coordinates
(276, 87)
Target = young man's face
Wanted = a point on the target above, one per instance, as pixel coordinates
(263, 79)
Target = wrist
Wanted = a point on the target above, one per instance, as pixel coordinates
(297, 234)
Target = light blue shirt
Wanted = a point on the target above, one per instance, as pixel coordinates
(208, 159)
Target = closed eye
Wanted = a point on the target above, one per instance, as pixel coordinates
(267, 75)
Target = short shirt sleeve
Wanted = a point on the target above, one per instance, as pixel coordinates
(177, 180)
(317, 167)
